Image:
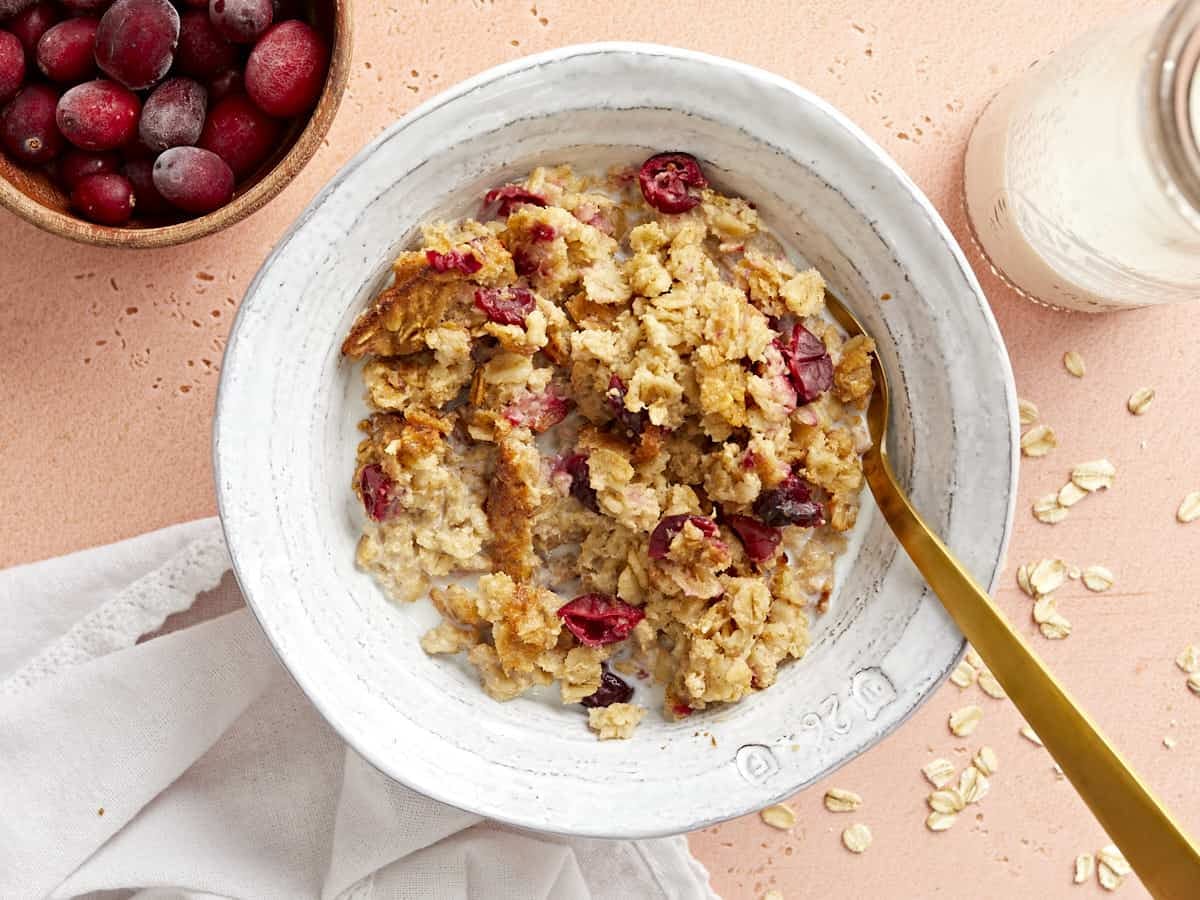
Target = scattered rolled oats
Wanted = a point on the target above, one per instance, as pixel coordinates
(1189, 509)
(1097, 578)
(972, 656)
(937, 821)
(1140, 400)
(1193, 682)
(964, 674)
(1189, 659)
(964, 721)
(947, 801)
(1023, 579)
(1074, 573)
(972, 785)
(1074, 364)
(842, 800)
(939, 772)
(1095, 475)
(1044, 608)
(1112, 868)
(1030, 735)
(1070, 494)
(990, 686)
(857, 838)
(779, 816)
(1169, 742)
(1038, 440)
(1056, 628)
(1047, 576)
(986, 760)
(1028, 412)
(772, 895)
(1048, 510)
(1085, 865)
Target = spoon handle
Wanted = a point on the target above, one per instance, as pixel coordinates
(1155, 845)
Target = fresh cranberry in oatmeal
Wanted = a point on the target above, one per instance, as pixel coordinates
(541, 232)
(810, 364)
(505, 305)
(790, 503)
(524, 262)
(598, 619)
(761, 541)
(633, 423)
(667, 181)
(540, 411)
(376, 489)
(578, 478)
(613, 689)
(454, 261)
(665, 531)
(511, 196)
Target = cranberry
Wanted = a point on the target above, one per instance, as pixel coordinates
(538, 412)
(98, 115)
(136, 41)
(809, 362)
(286, 69)
(682, 710)
(148, 200)
(524, 262)
(761, 541)
(202, 51)
(664, 532)
(506, 305)
(667, 179)
(634, 423)
(510, 196)
(541, 232)
(225, 84)
(76, 165)
(173, 115)
(193, 179)
(613, 689)
(576, 465)
(240, 133)
(376, 489)
(241, 21)
(27, 128)
(12, 66)
(598, 619)
(67, 52)
(107, 199)
(30, 25)
(196, 4)
(454, 260)
(790, 503)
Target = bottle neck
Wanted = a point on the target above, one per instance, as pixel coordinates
(1172, 99)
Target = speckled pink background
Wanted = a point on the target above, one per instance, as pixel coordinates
(109, 365)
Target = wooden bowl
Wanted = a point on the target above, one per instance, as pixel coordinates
(35, 197)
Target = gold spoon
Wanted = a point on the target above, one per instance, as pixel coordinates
(1153, 843)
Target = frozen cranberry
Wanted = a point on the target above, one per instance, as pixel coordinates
(286, 69)
(761, 541)
(541, 232)
(107, 198)
(790, 503)
(509, 197)
(67, 52)
(30, 25)
(454, 261)
(240, 133)
(136, 41)
(664, 532)
(193, 179)
(613, 689)
(148, 200)
(85, 6)
(75, 165)
(28, 130)
(99, 115)
(539, 411)
(377, 493)
(202, 51)
(809, 362)
(598, 619)
(173, 115)
(12, 66)
(225, 84)
(241, 21)
(633, 423)
(576, 465)
(505, 305)
(668, 179)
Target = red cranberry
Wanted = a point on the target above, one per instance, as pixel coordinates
(809, 363)
(202, 51)
(241, 21)
(790, 503)
(576, 465)
(667, 180)
(30, 25)
(85, 6)
(193, 179)
(196, 4)
(286, 69)
(225, 84)
(67, 52)
(664, 532)
(761, 541)
(76, 165)
(377, 493)
(27, 128)
(613, 689)
(12, 66)
(681, 709)
(240, 133)
(173, 115)
(523, 262)
(509, 197)
(453, 261)
(505, 305)
(538, 412)
(598, 619)
(107, 199)
(148, 201)
(633, 423)
(541, 232)
(136, 41)
(99, 115)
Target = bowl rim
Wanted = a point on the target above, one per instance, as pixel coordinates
(515, 816)
(264, 190)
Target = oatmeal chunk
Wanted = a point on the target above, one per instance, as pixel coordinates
(853, 382)
(615, 722)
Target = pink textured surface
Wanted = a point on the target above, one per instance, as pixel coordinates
(110, 367)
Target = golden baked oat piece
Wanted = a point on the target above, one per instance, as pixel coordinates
(513, 497)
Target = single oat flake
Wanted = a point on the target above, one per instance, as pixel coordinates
(1047, 576)
(938, 772)
(964, 674)
(779, 816)
(946, 801)
(1096, 475)
(772, 895)
(937, 821)
(1189, 509)
(1028, 412)
(986, 760)
(1189, 659)
(1169, 742)
(1193, 683)
(1085, 865)
(1044, 609)
(1070, 494)
(964, 721)
(1074, 364)
(1023, 579)
(972, 785)
(1055, 628)
(1048, 510)
(842, 800)
(972, 656)
(857, 838)
(1140, 400)
(1097, 579)
(1112, 868)
(990, 686)
(1038, 441)
(1030, 735)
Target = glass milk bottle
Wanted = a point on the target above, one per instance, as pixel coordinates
(1082, 178)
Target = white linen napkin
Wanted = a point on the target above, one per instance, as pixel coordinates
(189, 766)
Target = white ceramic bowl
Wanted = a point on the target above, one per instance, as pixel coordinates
(285, 438)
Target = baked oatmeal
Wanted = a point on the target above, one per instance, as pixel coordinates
(617, 403)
